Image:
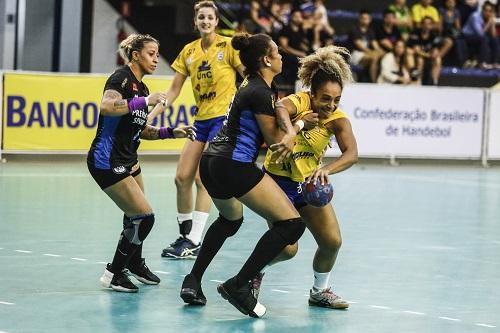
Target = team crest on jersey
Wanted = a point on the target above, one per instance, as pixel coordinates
(124, 83)
(119, 170)
(220, 56)
(204, 71)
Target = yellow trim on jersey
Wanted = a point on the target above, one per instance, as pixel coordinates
(309, 145)
(213, 75)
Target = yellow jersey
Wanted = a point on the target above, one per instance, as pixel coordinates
(309, 145)
(213, 75)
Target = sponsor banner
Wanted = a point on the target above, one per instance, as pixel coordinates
(494, 131)
(410, 121)
(44, 112)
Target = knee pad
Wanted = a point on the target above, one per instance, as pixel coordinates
(226, 227)
(290, 230)
(137, 228)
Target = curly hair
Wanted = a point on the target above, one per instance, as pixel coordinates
(134, 42)
(329, 63)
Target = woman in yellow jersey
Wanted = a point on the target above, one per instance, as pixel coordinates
(325, 72)
(211, 63)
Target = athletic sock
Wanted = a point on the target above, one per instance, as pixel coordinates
(181, 217)
(124, 251)
(199, 221)
(321, 280)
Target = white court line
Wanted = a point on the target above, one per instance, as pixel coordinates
(162, 272)
(79, 259)
(3, 332)
(280, 291)
(352, 302)
(51, 255)
(415, 313)
(1, 248)
(6, 303)
(485, 325)
(230, 319)
(23, 251)
(101, 262)
(448, 318)
(380, 307)
(217, 281)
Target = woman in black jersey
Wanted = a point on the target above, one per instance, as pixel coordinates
(112, 159)
(231, 177)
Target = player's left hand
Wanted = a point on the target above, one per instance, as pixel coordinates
(283, 149)
(185, 132)
(320, 175)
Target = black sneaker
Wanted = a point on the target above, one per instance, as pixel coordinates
(142, 273)
(191, 292)
(241, 298)
(117, 281)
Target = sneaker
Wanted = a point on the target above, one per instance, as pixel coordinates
(241, 298)
(142, 273)
(191, 292)
(117, 281)
(326, 299)
(182, 248)
(256, 283)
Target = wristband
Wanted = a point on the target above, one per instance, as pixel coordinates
(137, 103)
(166, 133)
(300, 123)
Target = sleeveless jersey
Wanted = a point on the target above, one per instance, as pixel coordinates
(240, 137)
(117, 138)
(213, 75)
(309, 145)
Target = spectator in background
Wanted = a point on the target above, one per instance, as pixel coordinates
(323, 32)
(452, 28)
(480, 35)
(425, 9)
(260, 14)
(393, 67)
(387, 33)
(425, 44)
(366, 51)
(403, 17)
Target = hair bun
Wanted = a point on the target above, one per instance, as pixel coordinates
(241, 41)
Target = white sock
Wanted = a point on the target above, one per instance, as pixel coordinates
(181, 217)
(199, 221)
(321, 280)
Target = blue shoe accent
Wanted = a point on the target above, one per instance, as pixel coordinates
(182, 248)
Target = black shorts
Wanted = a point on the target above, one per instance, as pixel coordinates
(225, 178)
(107, 177)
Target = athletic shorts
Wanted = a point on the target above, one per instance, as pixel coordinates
(207, 129)
(225, 178)
(292, 189)
(107, 177)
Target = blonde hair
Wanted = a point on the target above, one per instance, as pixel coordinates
(329, 63)
(134, 42)
(206, 4)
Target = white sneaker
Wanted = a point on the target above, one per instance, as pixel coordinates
(326, 299)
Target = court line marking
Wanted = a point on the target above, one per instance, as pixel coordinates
(6, 303)
(380, 307)
(162, 272)
(451, 319)
(280, 291)
(414, 312)
(79, 259)
(217, 281)
(101, 262)
(4, 332)
(51, 255)
(485, 325)
(23, 251)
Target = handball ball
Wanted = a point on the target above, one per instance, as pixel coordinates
(317, 195)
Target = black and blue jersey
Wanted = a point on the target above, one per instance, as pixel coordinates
(240, 137)
(117, 139)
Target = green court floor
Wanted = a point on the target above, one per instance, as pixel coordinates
(421, 253)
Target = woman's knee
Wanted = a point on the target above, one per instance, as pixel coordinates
(289, 251)
(331, 243)
(199, 183)
(183, 179)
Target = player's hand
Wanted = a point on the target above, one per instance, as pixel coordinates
(283, 149)
(156, 98)
(185, 132)
(320, 175)
(311, 120)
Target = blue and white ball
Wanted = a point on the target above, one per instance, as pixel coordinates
(317, 195)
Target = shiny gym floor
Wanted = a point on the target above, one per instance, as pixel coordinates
(421, 253)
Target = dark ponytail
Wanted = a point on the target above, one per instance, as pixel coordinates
(252, 49)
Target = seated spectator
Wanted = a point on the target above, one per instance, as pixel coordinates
(387, 33)
(452, 28)
(425, 44)
(425, 9)
(366, 52)
(480, 35)
(323, 31)
(403, 17)
(393, 67)
(260, 15)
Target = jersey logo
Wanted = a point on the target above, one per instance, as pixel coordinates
(124, 83)
(204, 71)
(189, 61)
(119, 169)
(220, 56)
(221, 44)
(134, 87)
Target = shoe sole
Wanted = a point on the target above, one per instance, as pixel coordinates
(333, 306)
(189, 296)
(230, 299)
(173, 256)
(143, 280)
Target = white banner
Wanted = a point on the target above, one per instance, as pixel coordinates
(411, 121)
(494, 132)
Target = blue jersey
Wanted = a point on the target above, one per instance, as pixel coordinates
(118, 138)
(240, 137)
